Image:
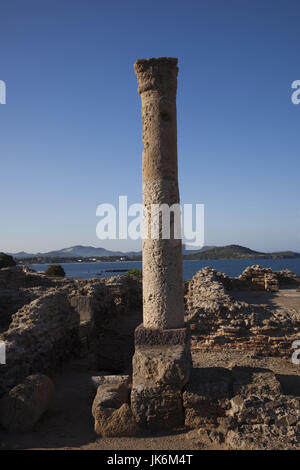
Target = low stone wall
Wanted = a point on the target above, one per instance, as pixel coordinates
(21, 277)
(10, 301)
(52, 317)
(217, 320)
(259, 278)
(45, 321)
(115, 323)
(42, 335)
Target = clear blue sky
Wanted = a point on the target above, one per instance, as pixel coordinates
(70, 133)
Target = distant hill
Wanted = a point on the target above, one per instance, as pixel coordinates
(80, 251)
(206, 252)
(188, 249)
(71, 252)
(237, 252)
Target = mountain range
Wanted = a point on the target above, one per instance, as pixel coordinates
(205, 253)
(238, 252)
(80, 251)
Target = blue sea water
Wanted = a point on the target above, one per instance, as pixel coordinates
(230, 267)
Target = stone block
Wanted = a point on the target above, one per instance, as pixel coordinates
(162, 366)
(157, 407)
(111, 396)
(148, 337)
(22, 407)
(110, 422)
(98, 380)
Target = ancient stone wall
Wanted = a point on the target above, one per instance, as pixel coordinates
(217, 320)
(115, 322)
(42, 335)
(258, 278)
(20, 277)
(46, 326)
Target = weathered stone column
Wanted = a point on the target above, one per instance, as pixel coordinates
(162, 358)
(162, 258)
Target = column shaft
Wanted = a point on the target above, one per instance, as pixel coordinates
(162, 258)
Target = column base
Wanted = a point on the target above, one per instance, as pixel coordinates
(161, 367)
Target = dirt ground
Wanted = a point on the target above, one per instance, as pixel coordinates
(285, 298)
(68, 424)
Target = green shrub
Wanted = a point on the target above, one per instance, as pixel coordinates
(134, 272)
(6, 261)
(55, 270)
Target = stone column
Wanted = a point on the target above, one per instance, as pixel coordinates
(162, 359)
(162, 258)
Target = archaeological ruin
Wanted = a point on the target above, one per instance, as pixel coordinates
(208, 359)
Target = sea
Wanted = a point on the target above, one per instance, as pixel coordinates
(232, 268)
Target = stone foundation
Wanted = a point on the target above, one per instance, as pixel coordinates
(161, 368)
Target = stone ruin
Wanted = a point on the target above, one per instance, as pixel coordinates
(147, 334)
(218, 321)
(51, 320)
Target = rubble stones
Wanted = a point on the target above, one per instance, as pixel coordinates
(50, 320)
(243, 407)
(110, 422)
(22, 407)
(264, 422)
(112, 395)
(111, 411)
(206, 395)
(42, 335)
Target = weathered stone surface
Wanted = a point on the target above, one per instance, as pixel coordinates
(217, 320)
(158, 337)
(22, 407)
(21, 277)
(162, 257)
(111, 396)
(111, 422)
(41, 336)
(249, 381)
(162, 358)
(156, 407)
(264, 422)
(162, 366)
(98, 380)
(112, 414)
(115, 323)
(260, 278)
(51, 320)
(206, 395)
(256, 277)
(159, 375)
(263, 437)
(244, 408)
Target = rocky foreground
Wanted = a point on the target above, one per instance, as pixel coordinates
(243, 393)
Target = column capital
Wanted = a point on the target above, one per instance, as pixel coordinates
(158, 74)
